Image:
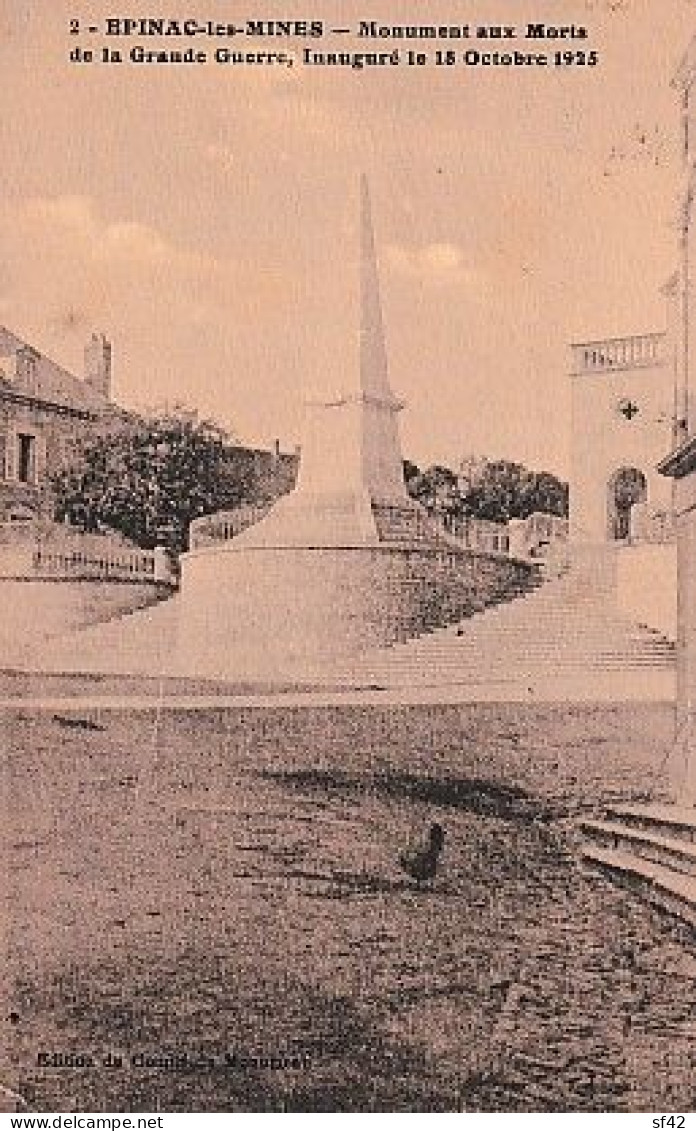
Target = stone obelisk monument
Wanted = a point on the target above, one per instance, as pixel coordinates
(347, 559)
(360, 426)
(351, 457)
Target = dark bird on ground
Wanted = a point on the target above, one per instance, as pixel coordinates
(421, 863)
(77, 724)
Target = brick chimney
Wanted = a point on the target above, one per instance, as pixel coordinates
(26, 372)
(98, 365)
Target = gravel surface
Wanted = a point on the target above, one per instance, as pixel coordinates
(208, 911)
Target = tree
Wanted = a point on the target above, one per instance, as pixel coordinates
(411, 470)
(498, 491)
(150, 481)
(435, 488)
(508, 490)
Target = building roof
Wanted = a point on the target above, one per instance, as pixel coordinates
(680, 462)
(53, 384)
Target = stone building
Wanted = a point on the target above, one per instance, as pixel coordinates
(624, 416)
(46, 415)
(623, 392)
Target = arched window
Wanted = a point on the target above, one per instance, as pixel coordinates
(627, 487)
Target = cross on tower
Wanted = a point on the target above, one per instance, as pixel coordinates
(628, 408)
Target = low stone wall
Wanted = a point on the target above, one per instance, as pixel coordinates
(646, 585)
(639, 579)
(279, 609)
(52, 550)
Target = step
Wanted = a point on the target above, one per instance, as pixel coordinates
(533, 627)
(642, 686)
(523, 616)
(417, 650)
(539, 627)
(673, 853)
(672, 820)
(515, 622)
(467, 634)
(506, 665)
(671, 891)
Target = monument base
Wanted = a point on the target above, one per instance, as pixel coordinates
(285, 611)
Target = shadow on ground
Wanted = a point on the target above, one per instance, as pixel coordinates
(473, 795)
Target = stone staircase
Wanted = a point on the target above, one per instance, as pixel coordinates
(650, 848)
(555, 632)
(552, 642)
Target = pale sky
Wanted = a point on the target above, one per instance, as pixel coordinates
(205, 218)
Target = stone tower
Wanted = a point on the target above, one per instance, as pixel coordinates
(622, 421)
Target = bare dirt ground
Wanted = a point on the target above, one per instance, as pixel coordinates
(207, 911)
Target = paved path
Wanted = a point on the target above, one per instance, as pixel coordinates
(652, 687)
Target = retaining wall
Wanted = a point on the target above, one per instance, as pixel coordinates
(279, 608)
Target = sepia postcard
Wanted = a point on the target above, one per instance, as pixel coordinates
(347, 558)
